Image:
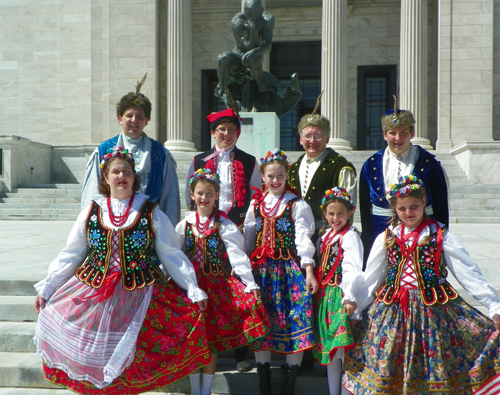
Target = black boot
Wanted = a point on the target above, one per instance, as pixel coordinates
(242, 364)
(289, 382)
(264, 372)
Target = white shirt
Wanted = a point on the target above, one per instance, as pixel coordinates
(224, 171)
(347, 178)
(233, 241)
(303, 220)
(395, 166)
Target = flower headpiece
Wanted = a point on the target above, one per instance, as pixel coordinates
(205, 174)
(274, 155)
(113, 152)
(406, 185)
(339, 193)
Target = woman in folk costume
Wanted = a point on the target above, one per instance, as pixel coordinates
(419, 335)
(278, 227)
(235, 316)
(339, 274)
(109, 323)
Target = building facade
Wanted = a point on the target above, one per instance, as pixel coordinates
(65, 64)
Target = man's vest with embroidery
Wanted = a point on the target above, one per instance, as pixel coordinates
(212, 248)
(434, 289)
(138, 260)
(278, 232)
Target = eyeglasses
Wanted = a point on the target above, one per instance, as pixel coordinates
(226, 131)
(311, 137)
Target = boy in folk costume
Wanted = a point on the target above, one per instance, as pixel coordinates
(238, 172)
(400, 158)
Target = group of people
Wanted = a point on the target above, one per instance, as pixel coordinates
(267, 258)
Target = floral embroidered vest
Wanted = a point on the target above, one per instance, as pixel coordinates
(212, 248)
(434, 289)
(138, 260)
(280, 229)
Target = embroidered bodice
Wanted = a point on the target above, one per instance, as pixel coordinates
(403, 270)
(205, 252)
(278, 232)
(136, 243)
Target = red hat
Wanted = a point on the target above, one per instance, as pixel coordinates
(224, 116)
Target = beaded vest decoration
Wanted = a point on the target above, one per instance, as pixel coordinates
(328, 258)
(278, 233)
(434, 289)
(138, 260)
(212, 247)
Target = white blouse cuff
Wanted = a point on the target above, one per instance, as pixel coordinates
(349, 297)
(196, 294)
(306, 261)
(44, 289)
(494, 309)
(357, 315)
(251, 286)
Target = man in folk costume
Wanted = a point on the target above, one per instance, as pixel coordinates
(399, 159)
(153, 162)
(238, 172)
(320, 168)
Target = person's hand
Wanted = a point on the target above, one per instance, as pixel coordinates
(257, 293)
(349, 307)
(202, 304)
(496, 321)
(312, 285)
(39, 303)
(353, 323)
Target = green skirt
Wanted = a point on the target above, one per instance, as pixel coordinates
(332, 326)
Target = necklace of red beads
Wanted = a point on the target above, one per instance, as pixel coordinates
(202, 227)
(119, 220)
(270, 213)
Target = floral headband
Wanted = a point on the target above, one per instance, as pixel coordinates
(205, 174)
(115, 152)
(339, 193)
(274, 155)
(406, 185)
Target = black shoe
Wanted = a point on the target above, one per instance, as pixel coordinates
(264, 372)
(288, 387)
(242, 364)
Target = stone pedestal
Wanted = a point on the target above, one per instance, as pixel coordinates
(260, 133)
(479, 161)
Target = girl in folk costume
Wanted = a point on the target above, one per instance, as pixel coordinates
(109, 323)
(278, 227)
(339, 274)
(235, 316)
(419, 335)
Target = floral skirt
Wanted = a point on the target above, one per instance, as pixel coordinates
(289, 306)
(440, 349)
(233, 318)
(332, 325)
(170, 345)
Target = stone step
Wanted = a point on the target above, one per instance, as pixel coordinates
(18, 287)
(458, 206)
(465, 196)
(51, 186)
(25, 370)
(21, 204)
(50, 210)
(475, 211)
(38, 217)
(43, 193)
(474, 220)
(17, 337)
(17, 308)
(42, 200)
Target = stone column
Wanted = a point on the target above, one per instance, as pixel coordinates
(334, 71)
(413, 64)
(179, 77)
